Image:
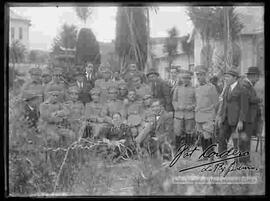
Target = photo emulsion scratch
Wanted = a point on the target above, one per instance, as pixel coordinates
(135, 101)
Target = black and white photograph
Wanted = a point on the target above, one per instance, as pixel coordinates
(162, 99)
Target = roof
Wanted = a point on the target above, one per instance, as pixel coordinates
(14, 16)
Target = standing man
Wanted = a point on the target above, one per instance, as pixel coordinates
(46, 76)
(205, 111)
(140, 88)
(184, 103)
(89, 74)
(254, 117)
(160, 89)
(34, 87)
(233, 110)
(84, 88)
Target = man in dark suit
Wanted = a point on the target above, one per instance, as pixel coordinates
(89, 74)
(254, 116)
(233, 111)
(160, 89)
(84, 88)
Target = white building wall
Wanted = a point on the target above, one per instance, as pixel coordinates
(16, 24)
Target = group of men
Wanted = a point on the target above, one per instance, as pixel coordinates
(141, 109)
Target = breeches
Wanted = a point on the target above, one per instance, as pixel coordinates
(182, 126)
(206, 128)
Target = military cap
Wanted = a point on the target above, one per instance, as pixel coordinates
(96, 91)
(89, 64)
(46, 71)
(55, 88)
(122, 85)
(175, 68)
(200, 69)
(57, 71)
(146, 96)
(152, 71)
(105, 68)
(186, 74)
(73, 88)
(35, 71)
(112, 89)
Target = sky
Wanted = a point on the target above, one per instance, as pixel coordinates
(46, 22)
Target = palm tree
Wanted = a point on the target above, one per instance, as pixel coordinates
(170, 46)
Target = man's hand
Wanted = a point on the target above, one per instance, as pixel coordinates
(239, 126)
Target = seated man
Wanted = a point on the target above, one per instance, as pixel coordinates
(119, 132)
(157, 130)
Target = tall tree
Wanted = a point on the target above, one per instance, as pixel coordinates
(210, 23)
(83, 13)
(170, 46)
(131, 36)
(188, 47)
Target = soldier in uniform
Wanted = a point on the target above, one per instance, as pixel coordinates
(205, 111)
(84, 87)
(34, 87)
(184, 103)
(53, 116)
(46, 76)
(132, 69)
(140, 88)
(113, 105)
(133, 111)
(104, 83)
(76, 110)
(123, 90)
(57, 82)
(94, 116)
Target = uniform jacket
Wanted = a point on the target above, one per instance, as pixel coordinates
(84, 92)
(234, 105)
(184, 97)
(161, 91)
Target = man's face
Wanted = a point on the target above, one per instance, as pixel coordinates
(201, 77)
(89, 69)
(147, 101)
(133, 69)
(254, 78)
(229, 79)
(46, 79)
(35, 77)
(95, 97)
(55, 97)
(73, 96)
(156, 108)
(56, 77)
(106, 75)
(136, 81)
(131, 95)
(152, 77)
(123, 91)
(113, 95)
(116, 119)
(174, 74)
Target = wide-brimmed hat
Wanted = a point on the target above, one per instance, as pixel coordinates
(232, 72)
(253, 70)
(95, 91)
(152, 71)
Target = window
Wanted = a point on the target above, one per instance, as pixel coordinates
(12, 32)
(20, 33)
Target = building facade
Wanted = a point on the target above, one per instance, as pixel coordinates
(19, 29)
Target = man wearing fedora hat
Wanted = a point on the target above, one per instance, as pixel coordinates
(160, 89)
(233, 110)
(254, 115)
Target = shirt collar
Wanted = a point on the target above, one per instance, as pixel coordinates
(233, 85)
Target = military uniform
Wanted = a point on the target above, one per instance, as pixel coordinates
(59, 85)
(104, 85)
(46, 76)
(94, 115)
(184, 103)
(76, 112)
(123, 90)
(33, 88)
(53, 120)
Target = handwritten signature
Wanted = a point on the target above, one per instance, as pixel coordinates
(186, 151)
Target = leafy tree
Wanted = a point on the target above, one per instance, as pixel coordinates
(38, 56)
(66, 38)
(188, 47)
(83, 13)
(171, 44)
(87, 48)
(131, 36)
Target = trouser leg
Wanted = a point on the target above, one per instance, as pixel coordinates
(224, 136)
